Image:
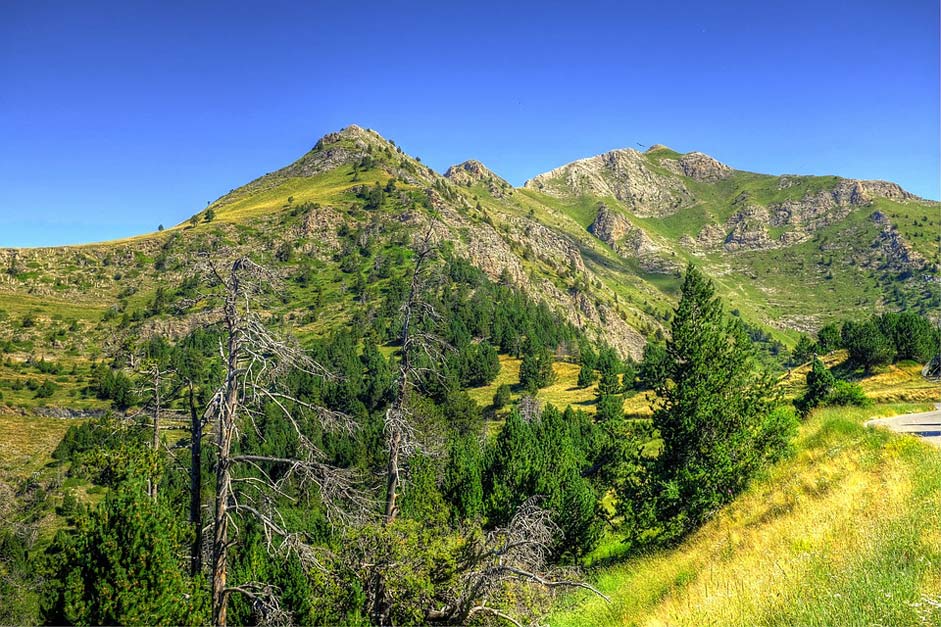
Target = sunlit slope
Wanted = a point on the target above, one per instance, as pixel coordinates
(845, 532)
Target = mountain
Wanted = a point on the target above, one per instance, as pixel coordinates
(600, 240)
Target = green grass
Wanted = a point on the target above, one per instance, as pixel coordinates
(844, 532)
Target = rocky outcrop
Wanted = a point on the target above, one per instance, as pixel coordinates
(492, 250)
(319, 227)
(749, 230)
(898, 255)
(472, 172)
(622, 174)
(699, 167)
(350, 145)
(609, 226)
(629, 241)
(825, 207)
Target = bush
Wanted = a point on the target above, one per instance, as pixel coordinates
(847, 393)
(501, 397)
(46, 389)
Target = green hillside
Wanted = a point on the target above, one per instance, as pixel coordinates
(507, 343)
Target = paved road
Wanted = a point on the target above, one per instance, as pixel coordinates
(926, 424)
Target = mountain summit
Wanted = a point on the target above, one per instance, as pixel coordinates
(600, 240)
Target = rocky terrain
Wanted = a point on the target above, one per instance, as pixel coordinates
(601, 239)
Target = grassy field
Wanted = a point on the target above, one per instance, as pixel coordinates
(562, 393)
(844, 532)
(27, 442)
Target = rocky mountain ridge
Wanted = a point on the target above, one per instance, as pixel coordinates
(601, 240)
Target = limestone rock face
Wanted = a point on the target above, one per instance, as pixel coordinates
(629, 240)
(898, 254)
(749, 230)
(699, 167)
(622, 174)
(493, 252)
(820, 209)
(472, 172)
(609, 226)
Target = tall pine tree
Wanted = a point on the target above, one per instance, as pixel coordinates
(716, 419)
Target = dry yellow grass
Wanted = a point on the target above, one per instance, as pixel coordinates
(27, 442)
(562, 393)
(895, 383)
(844, 532)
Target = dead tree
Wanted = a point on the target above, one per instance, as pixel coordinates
(414, 341)
(151, 391)
(197, 422)
(515, 554)
(255, 363)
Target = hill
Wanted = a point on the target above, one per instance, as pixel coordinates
(600, 240)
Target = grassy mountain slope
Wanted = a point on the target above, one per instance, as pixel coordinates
(600, 240)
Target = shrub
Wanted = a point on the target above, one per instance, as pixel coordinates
(501, 397)
(46, 389)
(847, 393)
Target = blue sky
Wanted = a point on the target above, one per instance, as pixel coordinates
(117, 117)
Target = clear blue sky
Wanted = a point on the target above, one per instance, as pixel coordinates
(117, 117)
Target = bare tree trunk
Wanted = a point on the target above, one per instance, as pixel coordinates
(395, 415)
(392, 479)
(225, 432)
(196, 483)
(156, 434)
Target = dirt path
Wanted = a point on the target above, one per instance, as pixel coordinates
(926, 424)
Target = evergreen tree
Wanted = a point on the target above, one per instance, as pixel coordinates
(536, 370)
(652, 370)
(610, 403)
(462, 478)
(377, 377)
(828, 338)
(867, 345)
(820, 382)
(913, 336)
(502, 397)
(803, 350)
(715, 418)
(121, 567)
(588, 359)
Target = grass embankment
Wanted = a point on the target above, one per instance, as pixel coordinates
(844, 532)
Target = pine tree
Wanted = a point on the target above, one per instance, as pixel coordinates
(803, 350)
(715, 418)
(867, 344)
(588, 360)
(610, 402)
(536, 370)
(820, 382)
(120, 566)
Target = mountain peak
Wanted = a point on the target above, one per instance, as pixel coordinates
(699, 167)
(470, 172)
(352, 134)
